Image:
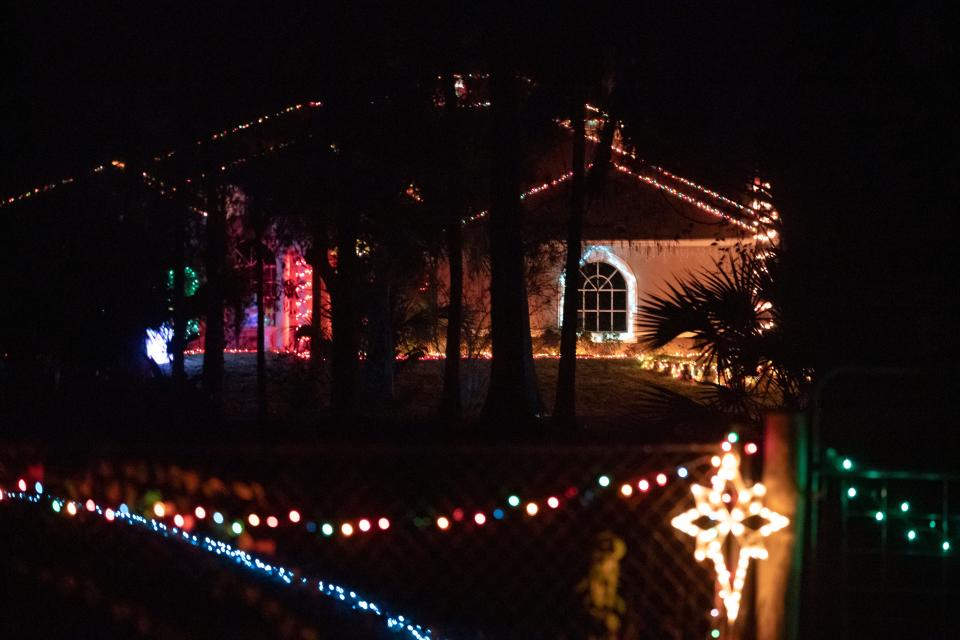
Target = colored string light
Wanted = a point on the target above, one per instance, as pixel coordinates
(162, 510)
(288, 577)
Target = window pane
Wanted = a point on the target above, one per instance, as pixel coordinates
(580, 321)
(617, 281)
(605, 300)
(603, 322)
(590, 301)
(590, 321)
(620, 321)
(619, 299)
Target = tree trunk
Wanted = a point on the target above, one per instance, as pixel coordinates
(512, 395)
(450, 404)
(346, 319)
(450, 407)
(378, 367)
(261, 333)
(179, 297)
(214, 334)
(564, 409)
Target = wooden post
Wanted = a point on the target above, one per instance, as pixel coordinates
(778, 577)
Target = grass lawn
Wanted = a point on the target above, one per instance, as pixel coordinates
(608, 391)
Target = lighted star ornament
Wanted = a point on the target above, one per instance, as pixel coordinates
(729, 509)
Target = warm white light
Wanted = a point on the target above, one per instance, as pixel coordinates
(729, 521)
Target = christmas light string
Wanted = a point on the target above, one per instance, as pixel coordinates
(191, 516)
(278, 573)
(312, 104)
(937, 524)
(118, 164)
(728, 471)
(623, 151)
(703, 206)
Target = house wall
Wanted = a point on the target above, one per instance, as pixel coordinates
(647, 265)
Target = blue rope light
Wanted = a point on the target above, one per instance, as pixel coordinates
(397, 623)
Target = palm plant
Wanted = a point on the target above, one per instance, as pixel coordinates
(733, 313)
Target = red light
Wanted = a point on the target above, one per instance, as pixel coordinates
(458, 514)
(364, 525)
(480, 519)
(108, 514)
(178, 520)
(22, 484)
(294, 515)
(571, 492)
(200, 512)
(726, 446)
(661, 479)
(750, 448)
(643, 485)
(272, 522)
(90, 504)
(552, 502)
(383, 523)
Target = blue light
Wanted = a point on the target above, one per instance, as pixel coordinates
(156, 343)
(682, 472)
(38, 487)
(218, 517)
(498, 514)
(253, 563)
(603, 481)
(312, 527)
(124, 508)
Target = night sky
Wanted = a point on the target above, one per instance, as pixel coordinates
(848, 112)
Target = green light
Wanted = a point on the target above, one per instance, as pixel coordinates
(327, 529)
(56, 506)
(715, 633)
(236, 528)
(933, 524)
(732, 437)
(879, 516)
(852, 492)
(904, 506)
(604, 481)
(911, 535)
(847, 464)
(946, 545)
(513, 501)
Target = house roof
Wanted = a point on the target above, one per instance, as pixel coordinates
(638, 201)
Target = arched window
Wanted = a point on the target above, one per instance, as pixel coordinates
(603, 298)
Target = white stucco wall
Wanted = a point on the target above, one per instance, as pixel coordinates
(647, 266)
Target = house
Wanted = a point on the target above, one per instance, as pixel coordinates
(647, 227)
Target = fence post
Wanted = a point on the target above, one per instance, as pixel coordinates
(785, 476)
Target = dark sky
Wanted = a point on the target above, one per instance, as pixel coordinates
(848, 111)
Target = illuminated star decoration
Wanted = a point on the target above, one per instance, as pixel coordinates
(729, 506)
